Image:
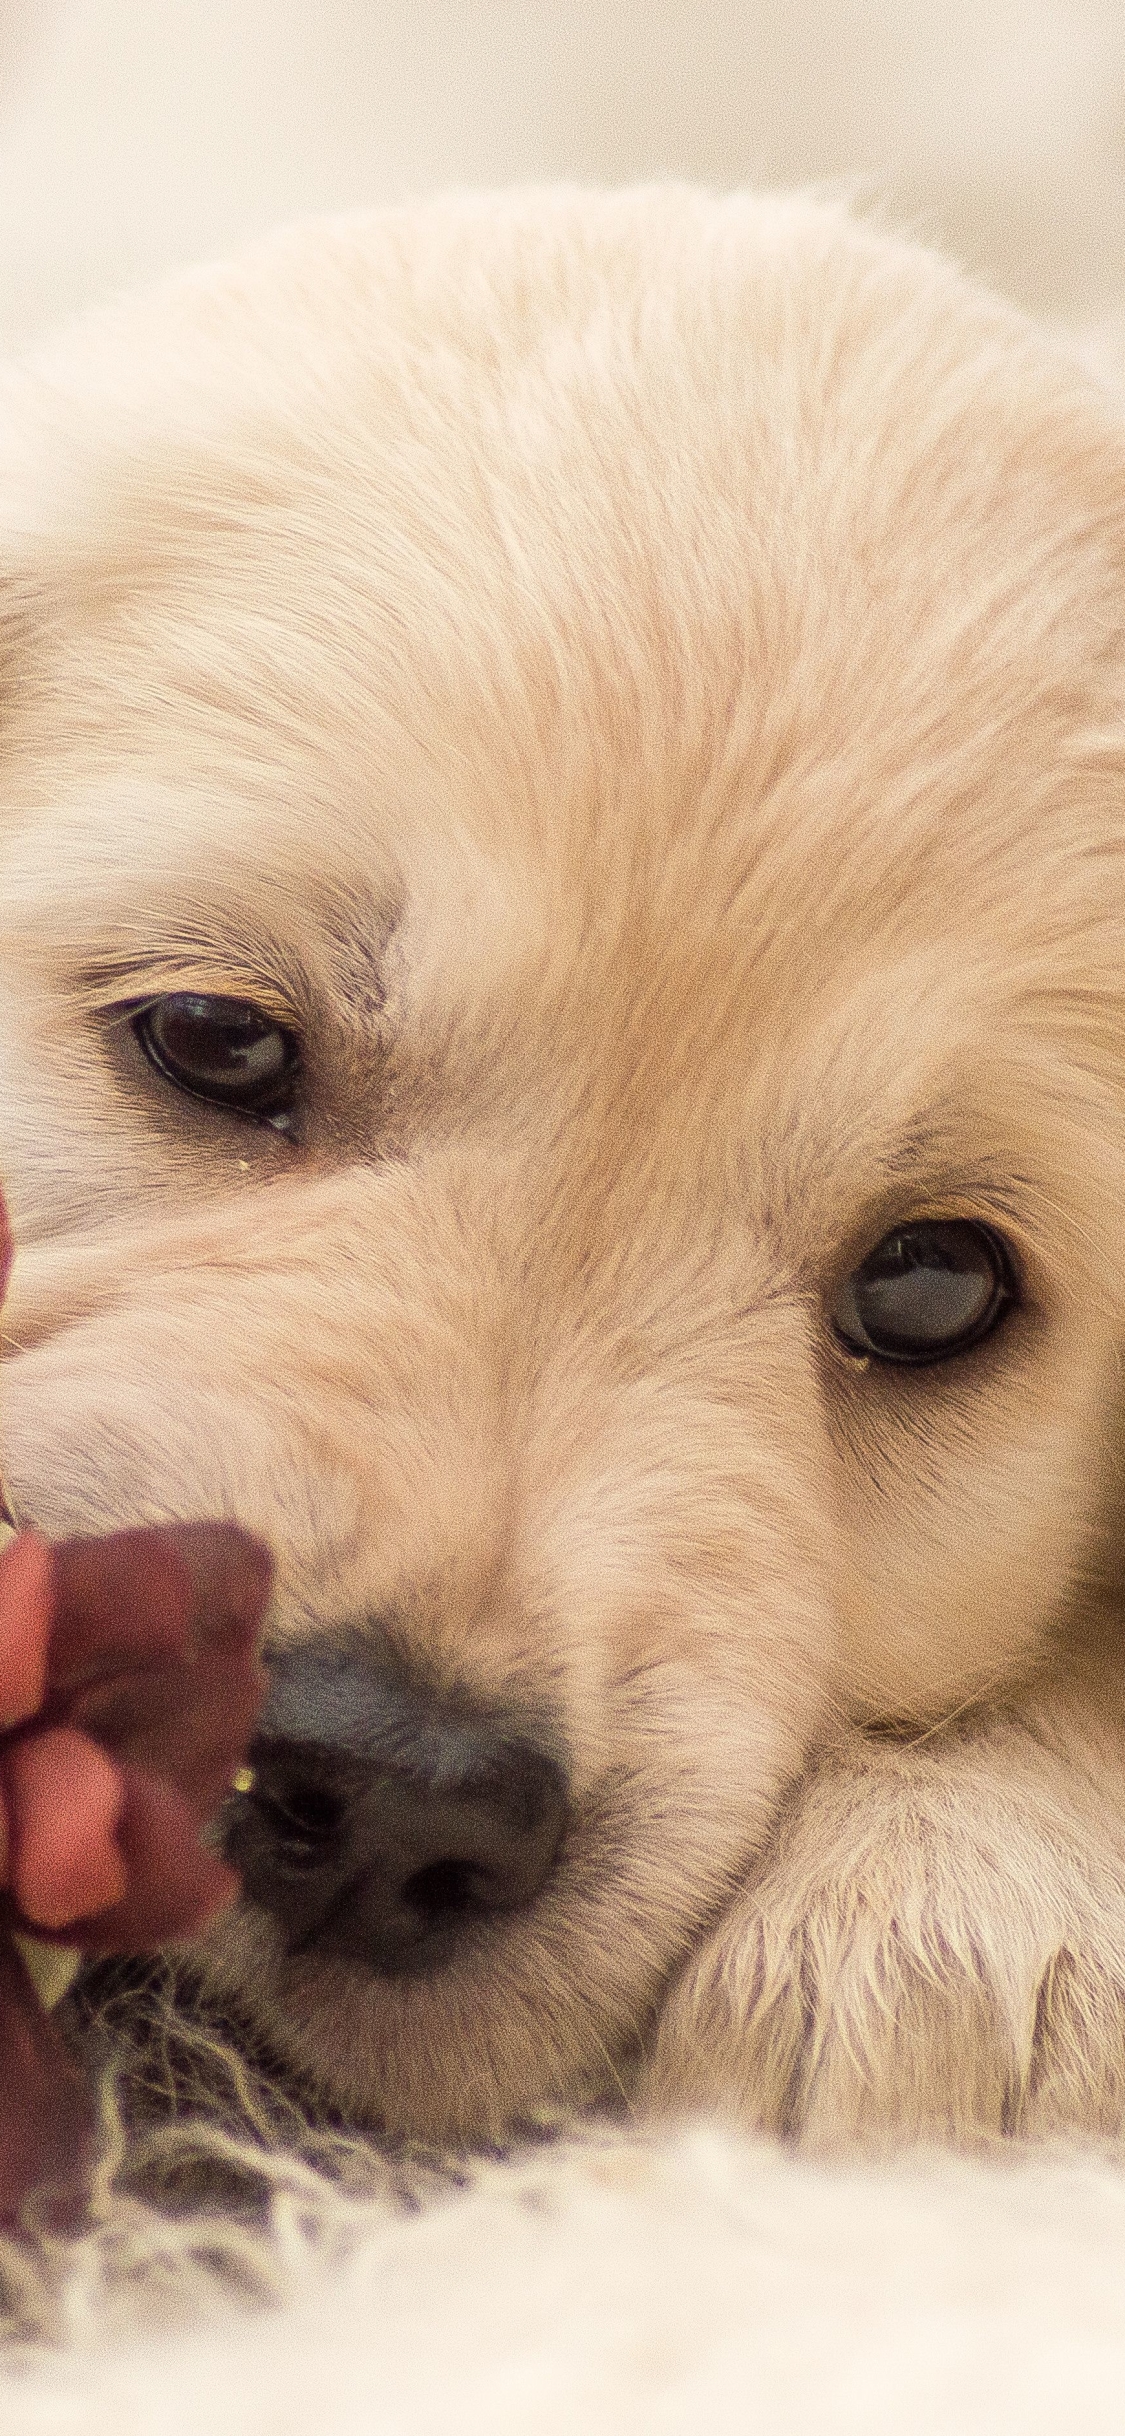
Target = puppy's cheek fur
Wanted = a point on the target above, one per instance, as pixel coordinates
(973, 1515)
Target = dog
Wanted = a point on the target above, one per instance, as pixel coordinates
(563, 1059)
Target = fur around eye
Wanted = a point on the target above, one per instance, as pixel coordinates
(928, 1289)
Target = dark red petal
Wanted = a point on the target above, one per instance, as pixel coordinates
(153, 1593)
(173, 1885)
(46, 2106)
(120, 1602)
(154, 1649)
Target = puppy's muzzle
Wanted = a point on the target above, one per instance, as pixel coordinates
(382, 1824)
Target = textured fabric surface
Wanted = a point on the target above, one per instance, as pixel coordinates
(697, 2284)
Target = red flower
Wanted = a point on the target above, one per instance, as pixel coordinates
(129, 1688)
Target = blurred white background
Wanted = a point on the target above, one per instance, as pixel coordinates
(138, 133)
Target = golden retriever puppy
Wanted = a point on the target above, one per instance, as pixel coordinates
(562, 796)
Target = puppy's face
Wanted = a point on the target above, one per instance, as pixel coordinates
(562, 1057)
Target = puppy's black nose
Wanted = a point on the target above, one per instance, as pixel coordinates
(382, 1823)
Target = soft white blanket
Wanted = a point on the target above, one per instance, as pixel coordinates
(698, 2283)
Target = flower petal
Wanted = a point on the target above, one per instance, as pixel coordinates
(154, 1650)
(46, 2105)
(26, 1600)
(174, 1884)
(65, 1801)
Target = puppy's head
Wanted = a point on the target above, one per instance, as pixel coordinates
(561, 975)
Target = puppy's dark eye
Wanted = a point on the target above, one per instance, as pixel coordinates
(927, 1290)
(224, 1050)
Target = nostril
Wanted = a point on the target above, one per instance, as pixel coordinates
(445, 1891)
(304, 1819)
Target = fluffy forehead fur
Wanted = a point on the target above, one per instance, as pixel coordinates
(636, 683)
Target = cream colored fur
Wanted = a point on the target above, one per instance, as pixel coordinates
(638, 683)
